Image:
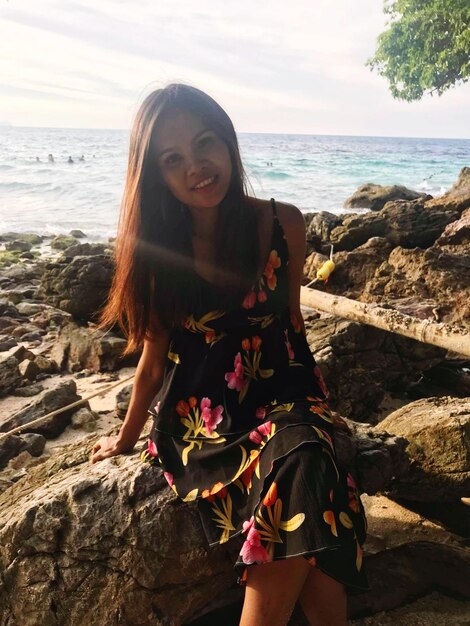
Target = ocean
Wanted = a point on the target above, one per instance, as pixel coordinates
(314, 172)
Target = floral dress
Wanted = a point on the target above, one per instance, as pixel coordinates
(242, 425)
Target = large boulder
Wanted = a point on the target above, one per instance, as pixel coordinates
(360, 363)
(78, 285)
(374, 197)
(402, 223)
(81, 347)
(458, 196)
(438, 431)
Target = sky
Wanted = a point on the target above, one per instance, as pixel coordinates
(295, 66)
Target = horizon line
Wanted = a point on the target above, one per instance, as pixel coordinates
(6, 125)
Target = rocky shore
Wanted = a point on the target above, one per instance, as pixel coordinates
(110, 544)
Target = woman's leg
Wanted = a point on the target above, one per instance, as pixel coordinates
(323, 600)
(272, 590)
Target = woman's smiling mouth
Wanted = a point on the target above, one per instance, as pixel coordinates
(205, 184)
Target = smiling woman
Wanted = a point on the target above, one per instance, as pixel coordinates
(208, 280)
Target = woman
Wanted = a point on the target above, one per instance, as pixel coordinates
(208, 281)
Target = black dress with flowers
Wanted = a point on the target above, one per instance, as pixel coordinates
(242, 425)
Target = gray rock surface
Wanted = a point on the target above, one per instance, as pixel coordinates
(80, 347)
(78, 286)
(374, 197)
(438, 431)
(60, 396)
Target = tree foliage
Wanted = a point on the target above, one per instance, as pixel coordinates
(426, 47)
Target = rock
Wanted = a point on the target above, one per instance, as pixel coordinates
(80, 348)
(27, 392)
(401, 574)
(374, 197)
(28, 369)
(438, 431)
(438, 274)
(37, 337)
(30, 238)
(18, 246)
(10, 376)
(122, 401)
(321, 225)
(359, 363)
(44, 365)
(60, 396)
(79, 286)
(68, 522)
(27, 255)
(458, 196)
(456, 233)
(9, 447)
(61, 242)
(29, 308)
(78, 234)
(402, 223)
(86, 249)
(33, 443)
(7, 344)
(84, 419)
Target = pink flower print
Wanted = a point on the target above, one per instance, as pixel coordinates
(262, 295)
(235, 379)
(265, 429)
(351, 482)
(152, 448)
(169, 478)
(157, 407)
(211, 417)
(289, 347)
(247, 525)
(255, 437)
(321, 381)
(261, 413)
(250, 300)
(252, 551)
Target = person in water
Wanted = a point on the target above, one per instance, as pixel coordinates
(207, 281)
(70, 160)
(50, 158)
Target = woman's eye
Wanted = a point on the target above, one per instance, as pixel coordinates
(171, 159)
(205, 141)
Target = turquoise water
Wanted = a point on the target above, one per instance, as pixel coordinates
(315, 172)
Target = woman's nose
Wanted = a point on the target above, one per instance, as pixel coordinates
(196, 163)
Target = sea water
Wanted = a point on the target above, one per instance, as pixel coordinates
(314, 172)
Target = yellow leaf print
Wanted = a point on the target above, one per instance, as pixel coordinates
(263, 320)
(174, 357)
(345, 520)
(223, 517)
(269, 529)
(329, 518)
(191, 496)
(200, 326)
(293, 523)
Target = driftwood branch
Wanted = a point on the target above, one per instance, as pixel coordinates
(455, 338)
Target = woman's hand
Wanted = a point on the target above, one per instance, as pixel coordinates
(106, 447)
(339, 422)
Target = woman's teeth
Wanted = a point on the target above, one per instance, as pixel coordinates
(205, 183)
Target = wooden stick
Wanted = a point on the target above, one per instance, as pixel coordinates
(455, 338)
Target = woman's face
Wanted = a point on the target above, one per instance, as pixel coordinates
(193, 161)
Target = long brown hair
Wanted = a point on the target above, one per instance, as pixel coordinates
(154, 277)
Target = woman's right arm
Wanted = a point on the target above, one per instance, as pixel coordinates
(147, 383)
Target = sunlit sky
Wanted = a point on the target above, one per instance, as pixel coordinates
(295, 66)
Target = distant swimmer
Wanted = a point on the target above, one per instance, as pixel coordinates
(38, 160)
(70, 160)
(82, 158)
(50, 158)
